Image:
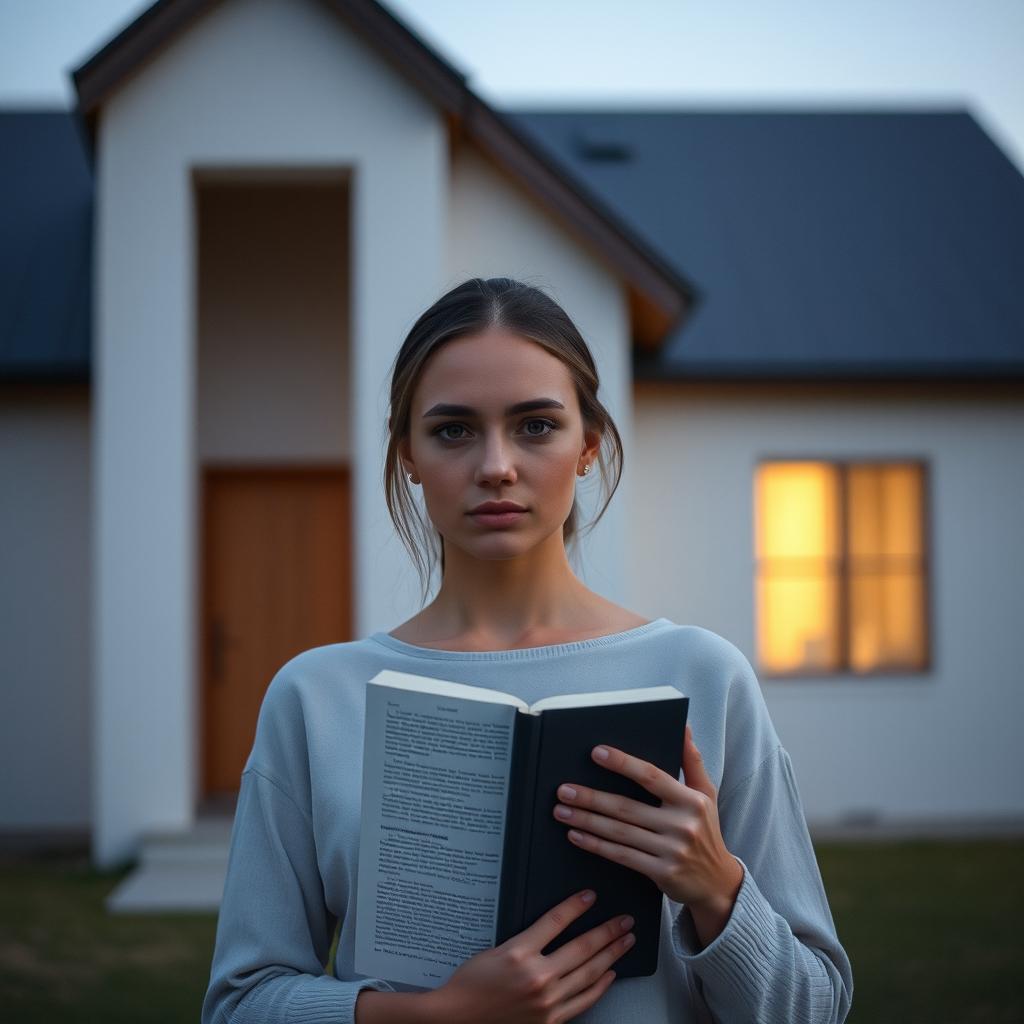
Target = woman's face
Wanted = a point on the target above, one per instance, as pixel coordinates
(483, 452)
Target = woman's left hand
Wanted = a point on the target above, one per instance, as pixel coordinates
(678, 845)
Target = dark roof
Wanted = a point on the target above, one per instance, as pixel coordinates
(46, 195)
(822, 244)
(825, 245)
(659, 295)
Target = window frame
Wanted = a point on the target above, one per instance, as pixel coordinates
(842, 465)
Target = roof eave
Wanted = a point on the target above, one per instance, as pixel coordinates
(651, 369)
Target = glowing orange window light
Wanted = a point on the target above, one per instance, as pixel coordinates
(797, 548)
(840, 556)
(886, 583)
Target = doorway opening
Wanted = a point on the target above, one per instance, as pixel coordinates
(272, 444)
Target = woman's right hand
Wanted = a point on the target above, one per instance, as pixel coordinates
(514, 983)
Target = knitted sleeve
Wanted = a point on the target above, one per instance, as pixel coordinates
(778, 957)
(274, 931)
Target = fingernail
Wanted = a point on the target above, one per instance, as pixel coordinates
(563, 812)
(625, 922)
(567, 793)
(588, 896)
(601, 753)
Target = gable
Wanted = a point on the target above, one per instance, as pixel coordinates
(285, 69)
(659, 295)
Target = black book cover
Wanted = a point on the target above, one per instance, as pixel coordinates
(541, 866)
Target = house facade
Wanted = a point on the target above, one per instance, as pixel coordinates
(278, 190)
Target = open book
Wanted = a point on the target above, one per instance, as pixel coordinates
(459, 848)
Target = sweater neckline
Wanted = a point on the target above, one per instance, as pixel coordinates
(519, 653)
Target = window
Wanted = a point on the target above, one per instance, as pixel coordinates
(841, 568)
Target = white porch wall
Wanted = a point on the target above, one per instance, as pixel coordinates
(496, 230)
(266, 83)
(941, 745)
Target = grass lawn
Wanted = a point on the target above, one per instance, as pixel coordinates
(932, 929)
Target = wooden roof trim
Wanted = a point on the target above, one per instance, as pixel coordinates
(659, 297)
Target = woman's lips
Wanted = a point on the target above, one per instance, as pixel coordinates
(497, 518)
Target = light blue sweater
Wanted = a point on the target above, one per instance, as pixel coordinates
(292, 865)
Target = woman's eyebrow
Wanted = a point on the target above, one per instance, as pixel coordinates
(444, 409)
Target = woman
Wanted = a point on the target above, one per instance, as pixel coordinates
(495, 416)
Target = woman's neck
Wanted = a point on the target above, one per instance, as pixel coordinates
(505, 603)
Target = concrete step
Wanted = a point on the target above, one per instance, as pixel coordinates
(177, 871)
(206, 842)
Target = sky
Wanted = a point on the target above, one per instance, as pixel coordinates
(653, 54)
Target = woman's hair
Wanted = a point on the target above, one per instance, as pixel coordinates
(469, 309)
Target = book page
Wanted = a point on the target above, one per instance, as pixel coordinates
(601, 697)
(427, 684)
(435, 784)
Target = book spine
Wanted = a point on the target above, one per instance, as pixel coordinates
(515, 857)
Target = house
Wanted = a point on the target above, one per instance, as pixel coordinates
(810, 330)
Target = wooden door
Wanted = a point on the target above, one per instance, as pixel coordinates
(277, 580)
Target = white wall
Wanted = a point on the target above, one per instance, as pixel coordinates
(266, 83)
(44, 608)
(939, 745)
(499, 231)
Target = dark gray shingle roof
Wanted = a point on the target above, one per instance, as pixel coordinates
(46, 195)
(822, 244)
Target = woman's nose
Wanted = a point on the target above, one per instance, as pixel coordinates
(496, 461)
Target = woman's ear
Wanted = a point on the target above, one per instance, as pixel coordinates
(405, 455)
(591, 449)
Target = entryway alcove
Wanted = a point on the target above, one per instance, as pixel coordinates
(272, 441)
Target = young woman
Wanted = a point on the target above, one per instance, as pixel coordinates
(495, 417)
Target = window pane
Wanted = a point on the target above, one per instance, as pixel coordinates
(796, 623)
(795, 512)
(902, 489)
(884, 510)
(797, 549)
(886, 621)
(886, 567)
(865, 518)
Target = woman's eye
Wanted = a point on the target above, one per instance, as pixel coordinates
(540, 423)
(449, 426)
